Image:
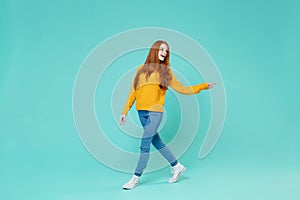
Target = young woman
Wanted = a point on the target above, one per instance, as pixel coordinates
(148, 89)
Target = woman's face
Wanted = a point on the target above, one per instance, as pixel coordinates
(163, 52)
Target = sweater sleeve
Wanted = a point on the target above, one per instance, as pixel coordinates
(131, 97)
(178, 87)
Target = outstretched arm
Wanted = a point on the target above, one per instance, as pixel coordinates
(178, 87)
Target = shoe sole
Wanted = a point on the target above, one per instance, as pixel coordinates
(125, 188)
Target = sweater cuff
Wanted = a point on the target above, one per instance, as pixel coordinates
(205, 86)
(125, 112)
(199, 87)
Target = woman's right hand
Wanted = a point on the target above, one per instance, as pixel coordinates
(122, 119)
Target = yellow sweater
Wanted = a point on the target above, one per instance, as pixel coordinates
(149, 96)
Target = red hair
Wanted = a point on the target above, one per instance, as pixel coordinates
(153, 63)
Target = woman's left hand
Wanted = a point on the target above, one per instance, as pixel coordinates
(210, 85)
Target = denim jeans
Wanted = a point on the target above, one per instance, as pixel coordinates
(150, 122)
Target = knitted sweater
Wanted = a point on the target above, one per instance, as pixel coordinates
(149, 96)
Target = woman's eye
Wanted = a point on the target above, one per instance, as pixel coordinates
(161, 49)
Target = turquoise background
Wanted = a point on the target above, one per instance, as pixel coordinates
(255, 46)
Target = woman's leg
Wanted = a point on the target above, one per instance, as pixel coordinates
(150, 121)
(164, 150)
(177, 168)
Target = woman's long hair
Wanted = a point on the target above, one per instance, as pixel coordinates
(152, 62)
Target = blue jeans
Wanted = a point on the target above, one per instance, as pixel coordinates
(150, 122)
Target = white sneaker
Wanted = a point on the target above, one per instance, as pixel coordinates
(133, 182)
(177, 171)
